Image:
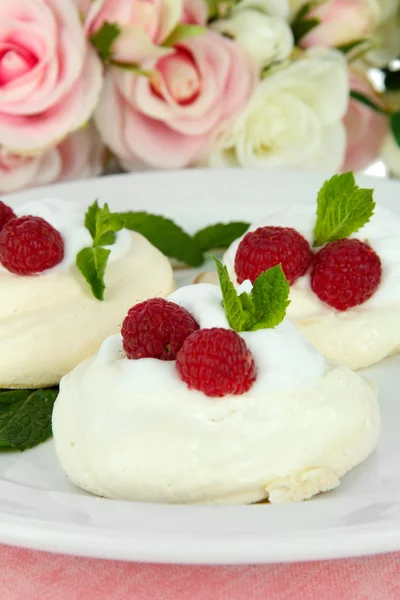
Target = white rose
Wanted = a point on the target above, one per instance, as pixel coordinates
(391, 155)
(383, 9)
(267, 39)
(387, 40)
(274, 8)
(294, 118)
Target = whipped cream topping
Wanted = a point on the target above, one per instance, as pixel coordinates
(302, 362)
(131, 429)
(68, 219)
(382, 233)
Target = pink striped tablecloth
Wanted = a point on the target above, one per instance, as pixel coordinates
(30, 575)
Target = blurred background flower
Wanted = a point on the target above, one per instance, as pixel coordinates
(181, 83)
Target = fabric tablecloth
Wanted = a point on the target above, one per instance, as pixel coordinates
(31, 575)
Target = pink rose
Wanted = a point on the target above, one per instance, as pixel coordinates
(144, 24)
(50, 78)
(83, 6)
(195, 12)
(366, 129)
(171, 120)
(80, 155)
(341, 22)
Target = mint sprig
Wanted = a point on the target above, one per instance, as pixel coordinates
(220, 235)
(25, 417)
(163, 233)
(343, 208)
(264, 308)
(92, 263)
(102, 225)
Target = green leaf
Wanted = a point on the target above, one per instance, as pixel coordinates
(265, 307)
(104, 39)
(364, 100)
(346, 48)
(133, 68)
(236, 311)
(302, 28)
(91, 218)
(270, 296)
(92, 263)
(25, 417)
(165, 235)
(302, 25)
(107, 224)
(303, 11)
(183, 32)
(343, 208)
(212, 9)
(220, 235)
(395, 126)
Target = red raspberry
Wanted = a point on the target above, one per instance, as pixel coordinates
(156, 328)
(6, 213)
(216, 362)
(267, 247)
(30, 245)
(346, 273)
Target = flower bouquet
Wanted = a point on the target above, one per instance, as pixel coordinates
(167, 84)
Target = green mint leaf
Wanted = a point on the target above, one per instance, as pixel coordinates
(236, 311)
(365, 100)
(25, 417)
(165, 235)
(107, 224)
(91, 218)
(92, 263)
(343, 208)
(264, 308)
(104, 39)
(270, 299)
(220, 235)
(183, 32)
(395, 127)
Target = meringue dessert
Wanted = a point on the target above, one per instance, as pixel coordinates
(222, 418)
(51, 321)
(368, 330)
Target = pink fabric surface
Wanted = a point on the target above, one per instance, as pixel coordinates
(30, 575)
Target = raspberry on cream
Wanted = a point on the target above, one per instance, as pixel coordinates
(135, 430)
(50, 321)
(30, 245)
(364, 334)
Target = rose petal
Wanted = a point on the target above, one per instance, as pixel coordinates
(32, 133)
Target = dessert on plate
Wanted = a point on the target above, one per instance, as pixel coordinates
(211, 397)
(343, 265)
(51, 318)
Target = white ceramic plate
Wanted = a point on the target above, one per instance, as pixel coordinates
(40, 509)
